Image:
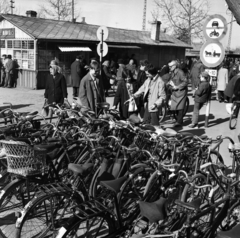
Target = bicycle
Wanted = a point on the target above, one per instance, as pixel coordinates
(234, 115)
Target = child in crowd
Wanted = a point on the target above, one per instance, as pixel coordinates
(201, 96)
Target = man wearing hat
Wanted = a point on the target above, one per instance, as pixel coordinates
(56, 87)
(179, 83)
(76, 75)
(202, 94)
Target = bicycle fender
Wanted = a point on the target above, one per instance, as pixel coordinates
(4, 190)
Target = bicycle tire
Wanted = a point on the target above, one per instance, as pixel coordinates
(71, 227)
(234, 116)
(132, 192)
(162, 112)
(37, 216)
(9, 204)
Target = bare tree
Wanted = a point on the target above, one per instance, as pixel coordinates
(185, 17)
(59, 9)
(5, 6)
(234, 7)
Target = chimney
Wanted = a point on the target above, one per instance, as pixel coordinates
(155, 31)
(31, 13)
(83, 21)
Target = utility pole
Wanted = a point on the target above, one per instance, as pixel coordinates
(73, 20)
(11, 2)
(230, 32)
(144, 15)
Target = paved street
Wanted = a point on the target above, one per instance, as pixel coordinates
(26, 100)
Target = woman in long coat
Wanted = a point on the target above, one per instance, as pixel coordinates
(125, 89)
(106, 76)
(222, 81)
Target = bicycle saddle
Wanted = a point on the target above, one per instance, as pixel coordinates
(103, 105)
(233, 147)
(154, 211)
(193, 206)
(114, 185)
(80, 169)
(48, 148)
(234, 233)
(169, 133)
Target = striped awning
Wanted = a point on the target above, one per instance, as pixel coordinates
(73, 49)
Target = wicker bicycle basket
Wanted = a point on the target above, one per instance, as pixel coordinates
(22, 159)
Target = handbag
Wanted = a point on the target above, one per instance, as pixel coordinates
(132, 106)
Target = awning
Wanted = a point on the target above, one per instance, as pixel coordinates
(73, 49)
(124, 46)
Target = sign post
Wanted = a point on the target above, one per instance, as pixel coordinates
(102, 48)
(212, 52)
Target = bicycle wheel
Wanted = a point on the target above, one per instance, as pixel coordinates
(132, 192)
(100, 225)
(162, 112)
(12, 199)
(45, 214)
(234, 116)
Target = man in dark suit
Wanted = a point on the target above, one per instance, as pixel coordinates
(76, 74)
(91, 89)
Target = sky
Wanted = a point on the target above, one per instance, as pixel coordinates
(128, 14)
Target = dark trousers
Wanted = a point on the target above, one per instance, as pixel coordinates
(3, 76)
(151, 117)
(179, 116)
(196, 109)
(75, 91)
(8, 80)
(221, 96)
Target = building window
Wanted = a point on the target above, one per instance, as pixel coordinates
(9, 44)
(17, 44)
(2, 44)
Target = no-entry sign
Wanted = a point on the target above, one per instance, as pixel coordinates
(212, 54)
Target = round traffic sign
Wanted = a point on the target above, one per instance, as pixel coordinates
(102, 31)
(215, 27)
(212, 53)
(104, 48)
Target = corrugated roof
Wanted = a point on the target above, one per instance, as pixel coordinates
(40, 28)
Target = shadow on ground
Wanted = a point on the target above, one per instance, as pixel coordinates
(14, 107)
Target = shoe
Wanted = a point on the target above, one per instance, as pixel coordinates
(226, 101)
(177, 124)
(220, 101)
(193, 126)
(9, 87)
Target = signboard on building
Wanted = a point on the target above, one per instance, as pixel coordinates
(215, 27)
(212, 54)
(7, 33)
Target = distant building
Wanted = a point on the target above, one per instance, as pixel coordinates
(195, 51)
(34, 42)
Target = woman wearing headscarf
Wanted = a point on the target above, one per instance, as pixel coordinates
(56, 87)
(126, 88)
(106, 76)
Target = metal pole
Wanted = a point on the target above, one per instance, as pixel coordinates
(73, 11)
(208, 105)
(101, 50)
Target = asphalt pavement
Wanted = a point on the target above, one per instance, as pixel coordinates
(26, 100)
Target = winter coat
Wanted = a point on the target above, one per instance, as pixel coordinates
(106, 76)
(222, 79)
(56, 89)
(157, 88)
(179, 96)
(88, 94)
(76, 73)
(230, 86)
(122, 96)
(202, 93)
(196, 70)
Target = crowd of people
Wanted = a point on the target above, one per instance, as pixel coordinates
(141, 89)
(9, 72)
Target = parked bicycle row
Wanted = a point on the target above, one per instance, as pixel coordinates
(86, 176)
